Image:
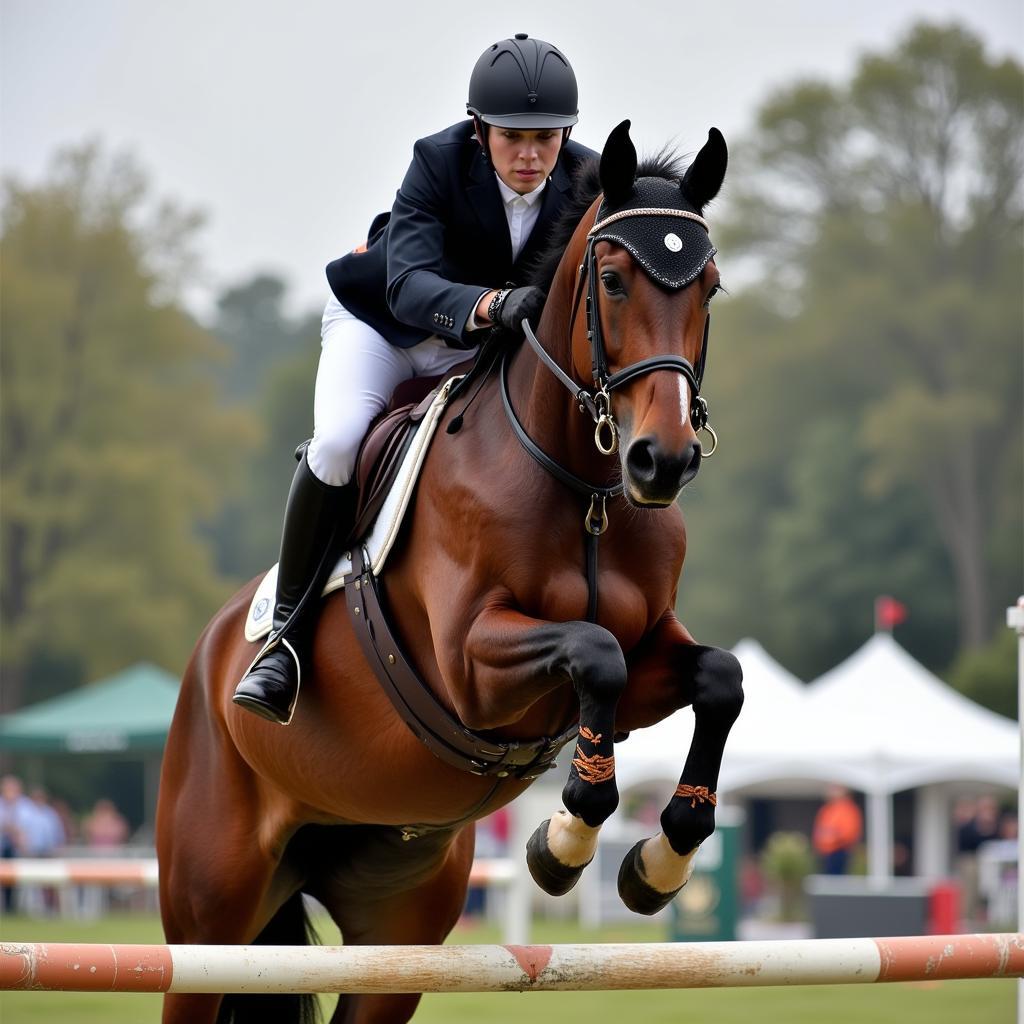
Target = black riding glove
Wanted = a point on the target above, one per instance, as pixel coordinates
(520, 304)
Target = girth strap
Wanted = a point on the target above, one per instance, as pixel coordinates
(439, 731)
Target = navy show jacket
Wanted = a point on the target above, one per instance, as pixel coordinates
(445, 242)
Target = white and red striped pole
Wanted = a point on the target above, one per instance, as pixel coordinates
(144, 872)
(299, 969)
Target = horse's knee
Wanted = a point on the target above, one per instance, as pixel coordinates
(718, 685)
(595, 661)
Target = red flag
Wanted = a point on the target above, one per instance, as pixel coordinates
(888, 613)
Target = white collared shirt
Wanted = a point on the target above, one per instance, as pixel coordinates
(521, 212)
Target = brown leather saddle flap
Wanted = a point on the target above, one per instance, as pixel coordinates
(381, 453)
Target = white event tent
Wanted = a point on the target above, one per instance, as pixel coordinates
(879, 723)
(914, 732)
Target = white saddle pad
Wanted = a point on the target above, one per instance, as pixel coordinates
(385, 528)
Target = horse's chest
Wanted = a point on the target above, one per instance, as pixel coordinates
(529, 550)
(623, 608)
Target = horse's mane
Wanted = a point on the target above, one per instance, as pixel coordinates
(586, 186)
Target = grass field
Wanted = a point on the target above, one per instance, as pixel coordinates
(949, 1002)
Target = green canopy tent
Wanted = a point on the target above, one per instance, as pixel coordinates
(128, 713)
(126, 716)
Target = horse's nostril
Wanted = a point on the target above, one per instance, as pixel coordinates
(691, 462)
(640, 461)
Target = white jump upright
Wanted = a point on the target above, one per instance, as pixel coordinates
(302, 969)
(1015, 620)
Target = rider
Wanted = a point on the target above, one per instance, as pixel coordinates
(476, 207)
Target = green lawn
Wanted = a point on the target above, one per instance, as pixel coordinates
(949, 1002)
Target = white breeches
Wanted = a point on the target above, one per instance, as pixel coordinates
(357, 373)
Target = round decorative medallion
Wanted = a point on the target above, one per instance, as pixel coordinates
(673, 242)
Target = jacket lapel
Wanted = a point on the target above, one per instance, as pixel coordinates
(485, 200)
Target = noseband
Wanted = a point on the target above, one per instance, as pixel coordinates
(598, 401)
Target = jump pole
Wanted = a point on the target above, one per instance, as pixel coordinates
(303, 969)
(143, 872)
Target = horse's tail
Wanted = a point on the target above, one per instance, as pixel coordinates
(290, 926)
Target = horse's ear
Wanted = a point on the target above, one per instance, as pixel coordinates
(705, 175)
(618, 165)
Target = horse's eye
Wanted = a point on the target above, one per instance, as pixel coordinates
(612, 283)
(711, 294)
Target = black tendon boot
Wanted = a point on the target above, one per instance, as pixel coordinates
(316, 515)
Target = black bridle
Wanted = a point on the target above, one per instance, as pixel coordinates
(598, 400)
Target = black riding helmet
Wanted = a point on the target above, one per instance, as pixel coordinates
(523, 83)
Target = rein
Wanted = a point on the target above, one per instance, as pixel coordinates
(595, 522)
(597, 401)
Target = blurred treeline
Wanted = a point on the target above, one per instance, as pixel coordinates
(867, 385)
(864, 377)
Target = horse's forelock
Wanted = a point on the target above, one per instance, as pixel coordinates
(586, 188)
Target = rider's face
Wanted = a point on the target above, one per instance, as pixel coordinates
(524, 158)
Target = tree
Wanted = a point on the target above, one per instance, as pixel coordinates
(114, 446)
(887, 217)
(272, 372)
(252, 323)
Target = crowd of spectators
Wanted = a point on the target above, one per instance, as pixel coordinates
(34, 825)
(30, 825)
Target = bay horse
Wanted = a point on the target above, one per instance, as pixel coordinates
(510, 618)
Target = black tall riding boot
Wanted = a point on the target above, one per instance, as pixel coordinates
(316, 516)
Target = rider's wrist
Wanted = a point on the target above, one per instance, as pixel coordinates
(494, 306)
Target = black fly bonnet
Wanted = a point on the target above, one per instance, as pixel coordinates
(662, 231)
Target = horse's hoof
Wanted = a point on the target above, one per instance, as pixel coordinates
(634, 889)
(554, 877)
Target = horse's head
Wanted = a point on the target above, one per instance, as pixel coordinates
(648, 269)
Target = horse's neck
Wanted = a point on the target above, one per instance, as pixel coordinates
(543, 404)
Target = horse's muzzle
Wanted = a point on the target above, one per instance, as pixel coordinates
(654, 476)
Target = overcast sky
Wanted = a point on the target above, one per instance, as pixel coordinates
(291, 123)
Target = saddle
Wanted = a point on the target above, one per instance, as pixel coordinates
(387, 469)
(385, 445)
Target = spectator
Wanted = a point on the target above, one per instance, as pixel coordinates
(838, 827)
(982, 827)
(1008, 825)
(977, 822)
(963, 821)
(16, 814)
(67, 821)
(105, 827)
(16, 811)
(46, 830)
(43, 835)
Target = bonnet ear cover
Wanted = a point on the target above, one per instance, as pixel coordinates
(704, 177)
(618, 166)
(673, 246)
